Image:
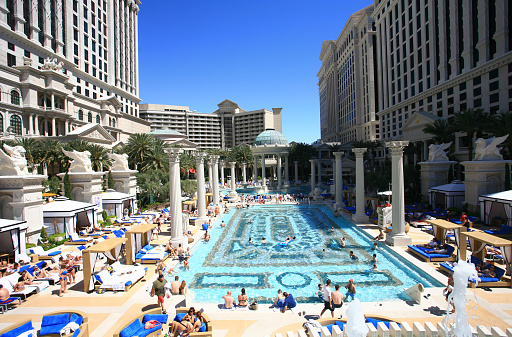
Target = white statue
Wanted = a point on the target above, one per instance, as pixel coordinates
(15, 163)
(487, 149)
(119, 162)
(53, 64)
(81, 161)
(437, 152)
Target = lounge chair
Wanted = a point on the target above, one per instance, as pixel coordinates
(149, 254)
(7, 302)
(56, 322)
(40, 254)
(504, 230)
(18, 329)
(122, 277)
(135, 325)
(74, 239)
(491, 281)
(8, 283)
(428, 255)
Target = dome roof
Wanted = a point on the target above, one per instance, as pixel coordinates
(271, 137)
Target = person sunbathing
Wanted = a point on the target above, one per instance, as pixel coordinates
(184, 328)
(440, 250)
(243, 299)
(27, 278)
(4, 293)
(380, 236)
(40, 273)
(200, 320)
(228, 300)
(491, 272)
(20, 286)
(432, 244)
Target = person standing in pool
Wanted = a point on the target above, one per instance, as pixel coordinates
(353, 256)
(351, 289)
(342, 243)
(327, 298)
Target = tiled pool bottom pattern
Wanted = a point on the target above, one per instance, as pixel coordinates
(229, 262)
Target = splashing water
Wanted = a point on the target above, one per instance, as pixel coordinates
(461, 273)
(356, 323)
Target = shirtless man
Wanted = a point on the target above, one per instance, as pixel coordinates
(353, 256)
(180, 251)
(351, 289)
(228, 300)
(337, 297)
(175, 286)
(4, 293)
(491, 272)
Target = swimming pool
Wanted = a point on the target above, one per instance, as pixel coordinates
(229, 262)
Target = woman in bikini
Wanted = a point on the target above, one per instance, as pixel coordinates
(183, 327)
(63, 280)
(183, 288)
(243, 299)
(200, 320)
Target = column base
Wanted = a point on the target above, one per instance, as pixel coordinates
(200, 221)
(360, 218)
(183, 240)
(233, 194)
(398, 239)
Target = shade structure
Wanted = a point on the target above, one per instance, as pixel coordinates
(440, 227)
(110, 247)
(68, 216)
(115, 203)
(496, 205)
(137, 237)
(448, 195)
(13, 237)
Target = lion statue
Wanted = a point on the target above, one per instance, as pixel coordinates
(437, 152)
(81, 161)
(15, 163)
(487, 149)
(119, 162)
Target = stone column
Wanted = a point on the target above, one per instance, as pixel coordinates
(54, 127)
(286, 171)
(339, 180)
(175, 199)
(30, 124)
(244, 173)
(279, 173)
(263, 183)
(296, 163)
(313, 185)
(319, 162)
(255, 170)
(222, 165)
(201, 194)
(210, 175)
(233, 180)
(215, 189)
(360, 216)
(398, 237)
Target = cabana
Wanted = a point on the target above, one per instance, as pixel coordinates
(496, 205)
(12, 239)
(478, 241)
(68, 216)
(449, 195)
(115, 203)
(189, 205)
(137, 237)
(110, 247)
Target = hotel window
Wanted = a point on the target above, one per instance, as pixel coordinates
(89, 117)
(80, 115)
(98, 119)
(15, 97)
(15, 122)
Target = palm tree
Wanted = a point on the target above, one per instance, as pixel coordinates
(471, 122)
(99, 157)
(138, 147)
(155, 157)
(501, 125)
(187, 162)
(441, 130)
(302, 153)
(78, 145)
(50, 153)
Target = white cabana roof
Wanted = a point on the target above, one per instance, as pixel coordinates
(505, 196)
(63, 207)
(114, 197)
(456, 187)
(6, 224)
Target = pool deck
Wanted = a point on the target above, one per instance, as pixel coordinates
(109, 309)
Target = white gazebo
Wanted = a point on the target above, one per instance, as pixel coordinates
(496, 205)
(271, 146)
(449, 195)
(115, 203)
(68, 216)
(12, 239)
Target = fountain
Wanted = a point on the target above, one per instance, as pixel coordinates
(356, 323)
(461, 273)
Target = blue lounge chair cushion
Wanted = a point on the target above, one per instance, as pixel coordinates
(132, 329)
(147, 247)
(499, 274)
(76, 333)
(55, 319)
(19, 330)
(81, 247)
(329, 327)
(503, 230)
(76, 319)
(340, 324)
(52, 329)
(376, 321)
(162, 318)
(429, 255)
(138, 256)
(57, 252)
(202, 328)
(98, 278)
(179, 316)
(447, 266)
(127, 283)
(24, 268)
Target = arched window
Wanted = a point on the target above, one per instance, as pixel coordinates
(98, 120)
(113, 122)
(1, 122)
(109, 121)
(16, 124)
(80, 115)
(15, 97)
(89, 117)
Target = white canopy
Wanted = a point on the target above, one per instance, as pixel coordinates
(115, 203)
(496, 205)
(449, 195)
(12, 237)
(68, 216)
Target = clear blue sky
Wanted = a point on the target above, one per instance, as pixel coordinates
(259, 54)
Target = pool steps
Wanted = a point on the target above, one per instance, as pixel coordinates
(404, 330)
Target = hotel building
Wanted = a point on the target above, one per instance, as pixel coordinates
(226, 127)
(69, 69)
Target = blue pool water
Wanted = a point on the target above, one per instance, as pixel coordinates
(229, 262)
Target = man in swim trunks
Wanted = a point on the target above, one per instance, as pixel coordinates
(159, 290)
(327, 298)
(228, 300)
(337, 298)
(4, 293)
(175, 286)
(353, 256)
(351, 289)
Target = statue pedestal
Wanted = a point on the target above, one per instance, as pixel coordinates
(398, 239)
(21, 199)
(125, 181)
(434, 173)
(483, 177)
(360, 218)
(85, 186)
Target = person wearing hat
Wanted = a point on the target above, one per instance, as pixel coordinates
(351, 289)
(159, 290)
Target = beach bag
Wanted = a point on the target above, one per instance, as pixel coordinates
(151, 324)
(254, 306)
